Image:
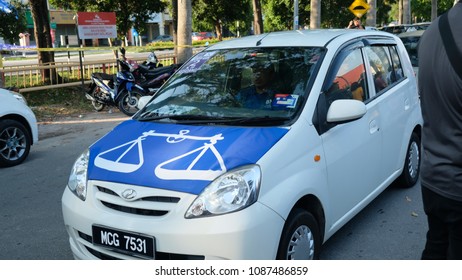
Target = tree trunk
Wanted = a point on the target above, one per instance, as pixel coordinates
(406, 11)
(434, 12)
(42, 32)
(371, 17)
(184, 31)
(218, 29)
(400, 11)
(257, 17)
(175, 25)
(315, 14)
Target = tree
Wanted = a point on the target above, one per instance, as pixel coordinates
(40, 15)
(129, 13)
(315, 14)
(217, 13)
(257, 17)
(279, 15)
(184, 31)
(13, 22)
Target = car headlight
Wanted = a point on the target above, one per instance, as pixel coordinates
(231, 192)
(78, 178)
(19, 97)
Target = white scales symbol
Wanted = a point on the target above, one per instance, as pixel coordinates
(161, 172)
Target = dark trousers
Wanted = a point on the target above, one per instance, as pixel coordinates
(444, 236)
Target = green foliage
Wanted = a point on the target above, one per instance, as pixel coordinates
(171, 45)
(278, 14)
(335, 13)
(421, 9)
(128, 12)
(212, 15)
(13, 23)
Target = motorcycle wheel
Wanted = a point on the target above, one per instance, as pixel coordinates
(97, 106)
(129, 104)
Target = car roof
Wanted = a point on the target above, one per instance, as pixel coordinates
(312, 38)
(417, 33)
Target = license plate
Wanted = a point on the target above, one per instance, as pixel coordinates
(128, 243)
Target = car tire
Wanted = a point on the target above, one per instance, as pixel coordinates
(411, 169)
(15, 142)
(300, 238)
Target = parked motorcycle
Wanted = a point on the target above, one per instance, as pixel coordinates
(147, 78)
(115, 90)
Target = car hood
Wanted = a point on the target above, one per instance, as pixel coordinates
(183, 158)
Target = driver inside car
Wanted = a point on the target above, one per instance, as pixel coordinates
(260, 94)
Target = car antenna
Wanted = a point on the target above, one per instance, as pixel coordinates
(259, 41)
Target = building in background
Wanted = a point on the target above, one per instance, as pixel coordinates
(64, 30)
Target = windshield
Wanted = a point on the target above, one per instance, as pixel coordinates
(258, 86)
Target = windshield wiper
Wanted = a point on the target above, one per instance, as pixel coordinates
(200, 119)
(184, 118)
(266, 120)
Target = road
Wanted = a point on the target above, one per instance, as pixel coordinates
(391, 228)
(31, 222)
(88, 56)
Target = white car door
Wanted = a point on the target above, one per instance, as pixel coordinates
(352, 149)
(395, 105)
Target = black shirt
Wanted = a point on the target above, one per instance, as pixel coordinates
(441, 100)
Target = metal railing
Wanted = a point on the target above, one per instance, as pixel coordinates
(29, 78)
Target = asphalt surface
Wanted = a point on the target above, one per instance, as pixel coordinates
(392, 227)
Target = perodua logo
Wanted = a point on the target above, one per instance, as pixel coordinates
(129, 194)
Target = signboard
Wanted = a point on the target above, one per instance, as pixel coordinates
(359, 8)
(62, 17)
(96, 25)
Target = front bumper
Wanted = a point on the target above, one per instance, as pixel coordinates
(252, 233)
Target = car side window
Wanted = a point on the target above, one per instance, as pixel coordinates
(346, 80)
(397, 72)
(381, 66)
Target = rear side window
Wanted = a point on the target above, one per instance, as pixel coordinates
(397, 73)
(385, 66)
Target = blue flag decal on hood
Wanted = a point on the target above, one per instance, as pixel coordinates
(176, 157)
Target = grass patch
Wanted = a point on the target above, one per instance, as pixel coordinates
(53, 104)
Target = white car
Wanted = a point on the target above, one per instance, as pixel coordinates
(201, 173)
(18, 128)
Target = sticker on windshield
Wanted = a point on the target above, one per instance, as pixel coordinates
(196, 62)
(285, 101)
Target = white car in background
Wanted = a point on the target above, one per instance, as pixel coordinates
(18, 128)
(209, 170)
(411, 43)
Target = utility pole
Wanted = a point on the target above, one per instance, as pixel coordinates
(295, 14)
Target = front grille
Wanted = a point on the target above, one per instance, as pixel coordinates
(132, 210)
(151, 202)
(100, 255)
(159, 256)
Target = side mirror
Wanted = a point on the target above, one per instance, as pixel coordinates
(143, 101)
(343, 110)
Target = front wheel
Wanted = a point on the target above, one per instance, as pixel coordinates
(15, 142)
(97, 105)
(301, 238)
(128, 104)
(411, 169)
